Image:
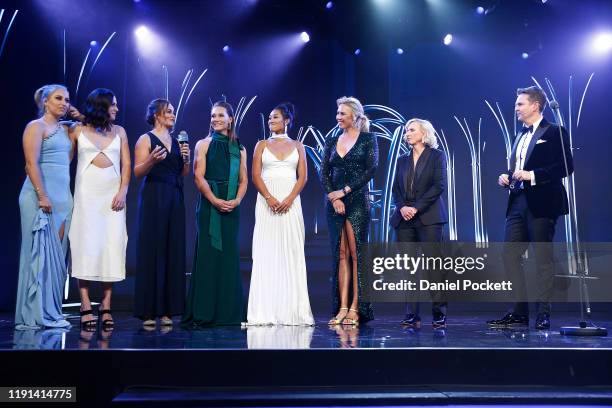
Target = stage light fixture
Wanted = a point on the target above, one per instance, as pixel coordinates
(448, 39)
(93, 43)
(142, 32)
(480, 10)
(226, 48)
(400, 51)
(305, 37)
(357, 51)
(525, 55)
(602, 43)
(329, 5)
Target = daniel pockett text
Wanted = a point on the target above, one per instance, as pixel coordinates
(457, 271)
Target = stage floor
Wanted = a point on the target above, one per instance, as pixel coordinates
(467, 332)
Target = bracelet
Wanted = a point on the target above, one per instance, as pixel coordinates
(267, 197)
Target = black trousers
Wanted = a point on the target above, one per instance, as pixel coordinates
(523, 228)
(415, 231)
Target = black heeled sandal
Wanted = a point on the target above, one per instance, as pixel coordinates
(89, 325)
(107, 324)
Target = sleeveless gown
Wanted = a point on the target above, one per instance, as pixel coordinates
(42, 262)
(98, 235)
(160, 267)
(279, 290)
(215, 295)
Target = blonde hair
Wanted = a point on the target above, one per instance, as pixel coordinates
(360, 121)
(430, 138)
(43, 93)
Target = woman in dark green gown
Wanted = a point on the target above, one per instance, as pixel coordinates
(349, 163)
(215, 295)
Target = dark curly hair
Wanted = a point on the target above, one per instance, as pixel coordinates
(287, 111)
(156, 106)
(96, 108)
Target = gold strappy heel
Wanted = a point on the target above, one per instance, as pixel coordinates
(335, 321)
(351, 322)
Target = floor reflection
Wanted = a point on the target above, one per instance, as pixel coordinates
(462, 332)
(279, 337)
(41, 339)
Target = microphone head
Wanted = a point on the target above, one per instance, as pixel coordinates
(182, 137)
(554, 105)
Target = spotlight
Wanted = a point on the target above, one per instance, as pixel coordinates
(480, 10)
(93, 43)
(142, 32)
(448, 39)
(400, 51)
(525, 55)
(305, 37)
(357, 51)
(226, 48)
(329, 5)
(544, 1)
(602, 43)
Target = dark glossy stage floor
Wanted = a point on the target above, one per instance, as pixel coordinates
(385, 332)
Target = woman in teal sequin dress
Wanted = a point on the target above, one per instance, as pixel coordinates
(45, 204)
(349, 163)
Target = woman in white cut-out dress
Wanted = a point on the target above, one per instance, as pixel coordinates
(279, 290)
(98, 237)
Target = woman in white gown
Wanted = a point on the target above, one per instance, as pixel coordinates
(279, 290)
(98, 237)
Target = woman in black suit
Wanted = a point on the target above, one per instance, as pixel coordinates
(420, 212)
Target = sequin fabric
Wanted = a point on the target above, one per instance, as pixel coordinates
(355, 170)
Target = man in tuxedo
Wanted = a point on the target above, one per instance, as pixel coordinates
(540, 159)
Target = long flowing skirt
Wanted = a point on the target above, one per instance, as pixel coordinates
(279, 290)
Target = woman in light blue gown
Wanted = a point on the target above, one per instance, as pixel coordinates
(45, 204)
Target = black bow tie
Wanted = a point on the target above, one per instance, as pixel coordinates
(526, 129)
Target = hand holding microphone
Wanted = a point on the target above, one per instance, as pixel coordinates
(183, 139)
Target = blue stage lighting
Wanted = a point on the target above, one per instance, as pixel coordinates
(93, 43)
(357, 51)
(525, 55)
(448, 39)
(305, 37)
(480, 10)
(226, 48)
(602, 43)
(399, 51)
(329, 5)
(142, 32)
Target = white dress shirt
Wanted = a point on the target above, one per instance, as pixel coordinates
(523, 146)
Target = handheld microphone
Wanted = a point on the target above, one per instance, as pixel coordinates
(182, 138)
(515, 184)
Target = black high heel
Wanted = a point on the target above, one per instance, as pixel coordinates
(107, 324)
(90, 325)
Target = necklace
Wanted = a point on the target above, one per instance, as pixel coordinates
(279, 136)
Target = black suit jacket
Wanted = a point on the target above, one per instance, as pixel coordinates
(429, 185)
(547, 198)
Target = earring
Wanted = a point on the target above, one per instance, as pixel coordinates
(285, 128)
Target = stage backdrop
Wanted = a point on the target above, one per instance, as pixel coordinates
(145, 49)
